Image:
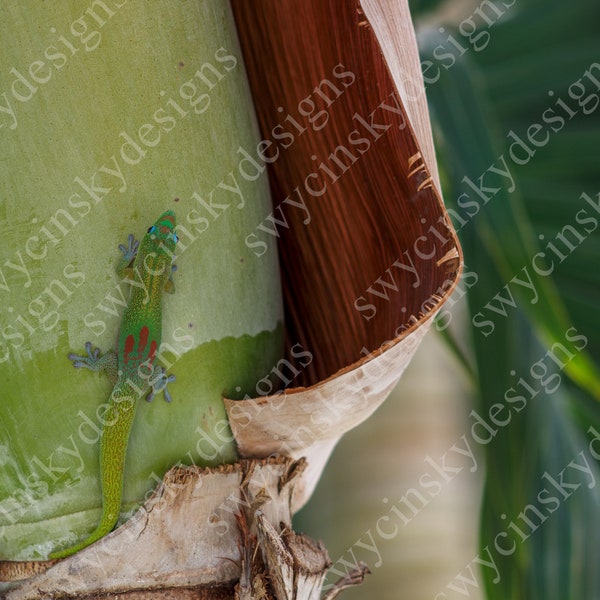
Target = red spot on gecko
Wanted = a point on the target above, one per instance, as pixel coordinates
(171, 223)
(144, 333)
(152, 350)
(129, 344)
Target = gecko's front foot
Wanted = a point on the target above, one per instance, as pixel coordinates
(159, 384)
(130, 251)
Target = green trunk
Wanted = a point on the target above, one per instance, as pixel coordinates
(110, 113)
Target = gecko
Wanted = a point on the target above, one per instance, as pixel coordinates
(131, 368)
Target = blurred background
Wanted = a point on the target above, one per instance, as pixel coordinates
(383, 459)
(514, 93)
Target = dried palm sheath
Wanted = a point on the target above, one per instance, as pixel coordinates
(380, 216)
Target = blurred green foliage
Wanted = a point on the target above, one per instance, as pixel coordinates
(514, 91)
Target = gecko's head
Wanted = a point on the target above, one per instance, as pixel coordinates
(161, 236)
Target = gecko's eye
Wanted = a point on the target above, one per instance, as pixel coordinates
(175, 237)
(152, 229)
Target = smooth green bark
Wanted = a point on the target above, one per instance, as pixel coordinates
(110, 113)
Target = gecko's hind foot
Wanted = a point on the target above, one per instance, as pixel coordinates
(93, 360)
(159, 384)
(90, 361)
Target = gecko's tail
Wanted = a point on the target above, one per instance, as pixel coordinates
(118, 419)
(97, 534)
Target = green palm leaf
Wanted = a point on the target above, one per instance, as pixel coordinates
(535, 335)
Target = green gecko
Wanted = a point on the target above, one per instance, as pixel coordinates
(131, 367)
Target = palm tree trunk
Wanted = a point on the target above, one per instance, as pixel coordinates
(367, 261)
